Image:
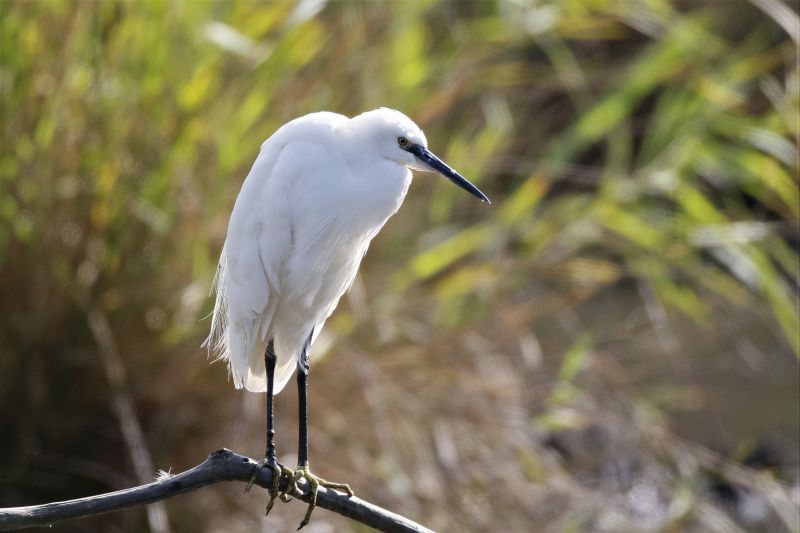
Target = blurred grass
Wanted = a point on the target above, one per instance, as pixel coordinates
(642, 160)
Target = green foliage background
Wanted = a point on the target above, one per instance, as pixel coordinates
(628, 302)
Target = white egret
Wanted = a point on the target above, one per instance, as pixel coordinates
(320, 189)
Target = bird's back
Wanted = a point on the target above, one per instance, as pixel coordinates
(299, 228)
(259, 239)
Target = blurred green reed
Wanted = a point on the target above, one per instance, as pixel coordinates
(671, 146)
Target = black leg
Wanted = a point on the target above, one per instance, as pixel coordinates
(269, 455)
(303, 471)
(302, 393)
(270, 458)
(269, 361)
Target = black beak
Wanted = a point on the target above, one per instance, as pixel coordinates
(437, 165)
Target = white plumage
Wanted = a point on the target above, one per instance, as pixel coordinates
(320, 189)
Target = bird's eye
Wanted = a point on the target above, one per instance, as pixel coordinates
(403, 142)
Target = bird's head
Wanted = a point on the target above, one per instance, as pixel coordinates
(393, 136)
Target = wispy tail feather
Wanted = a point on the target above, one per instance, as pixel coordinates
(217, 341)
(242, 341)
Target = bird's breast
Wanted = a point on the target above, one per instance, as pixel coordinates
(335, 234)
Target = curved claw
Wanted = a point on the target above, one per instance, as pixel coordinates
(315, 482)
(278, 470)
(256, 470)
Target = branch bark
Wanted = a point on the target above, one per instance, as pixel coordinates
(221, 465)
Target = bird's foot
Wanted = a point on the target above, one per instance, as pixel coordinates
(278, 470)
(315, 482)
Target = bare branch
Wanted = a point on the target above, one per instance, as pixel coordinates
(222, 465)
